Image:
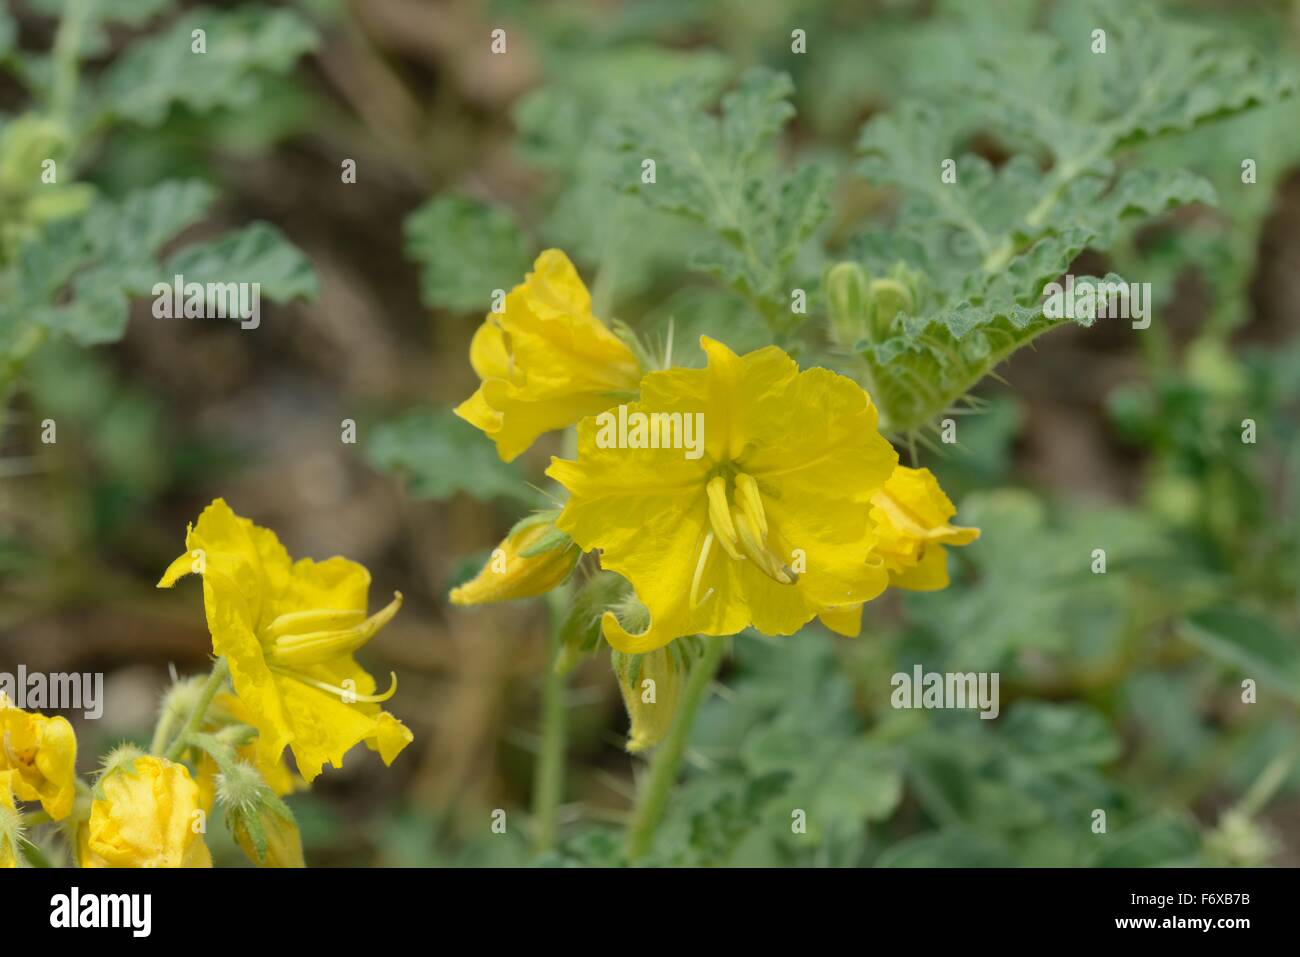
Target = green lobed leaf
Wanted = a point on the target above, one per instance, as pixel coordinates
(1250, 643)
(258, 253)
(720, 171)
(76, 277)
(438, 455)
(587, 96)
(162, 71)
(466, 248)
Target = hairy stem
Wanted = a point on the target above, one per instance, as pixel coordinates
(220, 670)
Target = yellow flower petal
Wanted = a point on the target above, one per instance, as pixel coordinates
(545, 362)
(390, 737)
(844, 620)
(42, 753)
(148, 817)
(911, 513)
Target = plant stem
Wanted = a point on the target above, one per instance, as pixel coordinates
(1266, 785)
(548, 779)
(67, 50)
(162, 732)
(215, 680)
(667, 760)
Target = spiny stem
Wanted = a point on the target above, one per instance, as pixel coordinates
(667, 760)
(220, 670)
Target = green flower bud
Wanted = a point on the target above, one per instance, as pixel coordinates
(848, 298)
(261, 824)
(651, 685)
(889, 297)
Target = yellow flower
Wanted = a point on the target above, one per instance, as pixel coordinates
(533, 559)
(770, 525)
(911, 516)
(911, 513)
(42, 753)
(545, 361)
(148, 816)
(11, 822)
(288, 631)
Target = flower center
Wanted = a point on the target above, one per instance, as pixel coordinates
(739, 525)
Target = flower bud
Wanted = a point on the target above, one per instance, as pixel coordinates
(889, 297)
(534, 558)
(262, 824)
(848, 298)
(651, 685)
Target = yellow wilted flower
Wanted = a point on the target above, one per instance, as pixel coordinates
(42, 753)
(533, 559)
(11, 822)
(768, 526)
(545, 361)
(145, 814)
(288, 631)
(651, 685)
(911, 516)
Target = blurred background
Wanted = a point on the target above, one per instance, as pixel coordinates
(1120, 691)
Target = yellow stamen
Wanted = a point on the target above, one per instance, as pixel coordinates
(720, 517)
(313, 648)
(699, 572)
(755, 548)
(751, 503)
(347, 696)
(320, 619)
